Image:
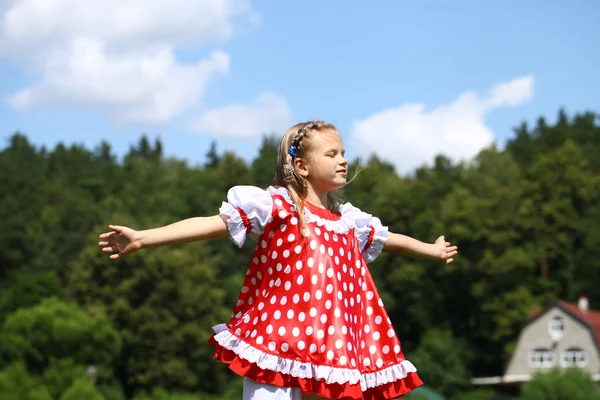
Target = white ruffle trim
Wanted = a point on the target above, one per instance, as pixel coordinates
(235, 224)
(364, 222)
(340, 226)
(257, 205)
(352, 217)
(304, 370)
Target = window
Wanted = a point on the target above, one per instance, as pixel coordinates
(557, 327)
(541, 358)
(574, 357)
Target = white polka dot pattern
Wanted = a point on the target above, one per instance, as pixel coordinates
(309, 296)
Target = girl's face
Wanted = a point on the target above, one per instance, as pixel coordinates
(325, 166)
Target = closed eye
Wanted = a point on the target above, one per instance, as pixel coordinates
(333, 153)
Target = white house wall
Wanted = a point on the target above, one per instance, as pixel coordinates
(537, 335)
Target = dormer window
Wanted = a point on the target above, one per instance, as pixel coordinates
(557, 328)
(541, 358)
(574, 357)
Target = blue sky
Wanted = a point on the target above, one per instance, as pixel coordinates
(406, 80)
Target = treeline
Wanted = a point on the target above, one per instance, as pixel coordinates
(75, 325)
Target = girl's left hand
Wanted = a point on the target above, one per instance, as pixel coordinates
(444, 250)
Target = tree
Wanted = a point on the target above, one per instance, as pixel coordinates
(21, 179)
(164, 303)
(17, 384)
(62, 374)
(212, 157)
(558, 189)
(569, 384)
(441, 362)
(496, 272)
(54, 330)
(524, 218)
(28, 289)
(82, 389)
(263, 166)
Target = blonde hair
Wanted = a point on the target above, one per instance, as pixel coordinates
(286, 175)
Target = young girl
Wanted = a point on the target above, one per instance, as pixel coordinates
(309, 322)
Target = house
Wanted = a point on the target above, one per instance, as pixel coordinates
(563, 335)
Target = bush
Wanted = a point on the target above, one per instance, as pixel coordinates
(82, 389)
(17, 384)
(569, 384)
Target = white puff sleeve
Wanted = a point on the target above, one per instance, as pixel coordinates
(247, 212)
(369, 231)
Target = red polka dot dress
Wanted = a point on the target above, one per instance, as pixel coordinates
(309, 314)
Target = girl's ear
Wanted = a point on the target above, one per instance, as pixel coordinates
(301, 167)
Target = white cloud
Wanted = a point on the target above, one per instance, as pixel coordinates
(410, 136)
(118, 55)
(512, 93)
(269, 113)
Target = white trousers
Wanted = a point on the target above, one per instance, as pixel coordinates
(260, 391)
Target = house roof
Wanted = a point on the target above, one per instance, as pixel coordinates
(591, 318)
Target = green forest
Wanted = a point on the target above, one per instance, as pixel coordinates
(74, 324)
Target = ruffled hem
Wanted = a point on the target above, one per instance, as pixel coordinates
(325, 381)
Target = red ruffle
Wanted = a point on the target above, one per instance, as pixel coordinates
(330, 391)
(370, 239)
(245, 220)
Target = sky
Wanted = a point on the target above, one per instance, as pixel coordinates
(404, 80)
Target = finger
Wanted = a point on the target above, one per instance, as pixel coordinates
(116, 228)
(451, 253)
(114, 256)
(106, 235)
(452, 248)
(110, 249)
(448, 261)
(111, 243)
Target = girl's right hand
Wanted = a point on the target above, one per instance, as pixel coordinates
(120, 241)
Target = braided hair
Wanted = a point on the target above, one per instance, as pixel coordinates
(296, 142)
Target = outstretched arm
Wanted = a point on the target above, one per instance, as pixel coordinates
(123, 240)
(405, 245)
